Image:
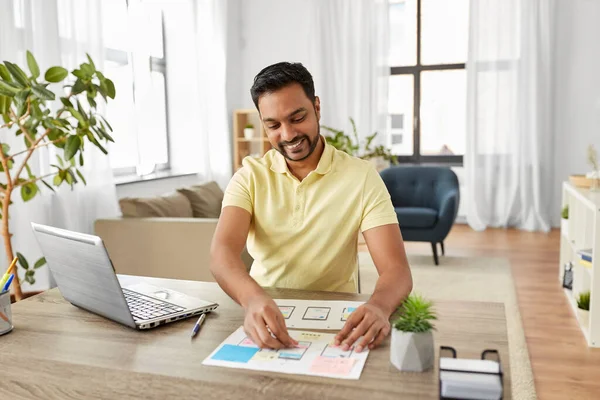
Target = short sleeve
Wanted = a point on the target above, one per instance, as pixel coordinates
(239, 191)
(377, 208)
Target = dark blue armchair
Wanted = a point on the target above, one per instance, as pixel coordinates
(426, 201)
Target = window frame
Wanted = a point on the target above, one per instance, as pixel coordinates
(415, 71)
(157, 64)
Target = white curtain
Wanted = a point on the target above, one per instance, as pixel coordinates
(200, 138)
(57, 33)
(508, 161)
(351, 52)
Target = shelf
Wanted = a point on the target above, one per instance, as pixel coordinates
(585, 196)
(582, 231)
(574, 307)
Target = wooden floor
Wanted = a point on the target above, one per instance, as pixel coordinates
(563, 366)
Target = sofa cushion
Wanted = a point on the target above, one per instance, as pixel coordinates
(174, 205)
(206, 199)
(416, 217)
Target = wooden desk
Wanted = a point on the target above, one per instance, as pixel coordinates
(58, 351)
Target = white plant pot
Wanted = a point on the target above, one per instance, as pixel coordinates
(584, 317)
(248, 133)
(564, 226)
(411, 351)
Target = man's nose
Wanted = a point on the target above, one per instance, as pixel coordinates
(287, 133)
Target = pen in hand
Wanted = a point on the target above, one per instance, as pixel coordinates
(198, 324)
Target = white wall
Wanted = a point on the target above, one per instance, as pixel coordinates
(272, 31)
(577, 90)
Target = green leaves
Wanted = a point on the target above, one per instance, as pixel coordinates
(22, 261)
(29, 190)
(72, 146)
(5, 103)
(40, 263)
(56, 74)
(8, 89)
(415, 315)
(17, 73)
(110, 89)
(27, 90)
(33, 65)
(42, 93)
(4, 74)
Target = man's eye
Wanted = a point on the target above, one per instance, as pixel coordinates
(273, 126)
(299, 119)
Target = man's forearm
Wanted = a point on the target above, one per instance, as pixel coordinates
(231, 274)
(391, 289)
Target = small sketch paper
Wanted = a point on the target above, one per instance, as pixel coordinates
(315, 355)
(316, 314)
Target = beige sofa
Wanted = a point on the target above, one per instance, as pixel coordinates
(166, 236)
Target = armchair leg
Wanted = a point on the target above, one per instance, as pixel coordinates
(443, 250)
(435, 254)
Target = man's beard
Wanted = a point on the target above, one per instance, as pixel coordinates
(312, 145)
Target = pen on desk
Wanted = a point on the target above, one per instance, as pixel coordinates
(8, 282)
(198, 324)
(7, 273)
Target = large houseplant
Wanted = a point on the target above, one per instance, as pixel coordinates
(412, 338)
(353, 146)
(29, 110)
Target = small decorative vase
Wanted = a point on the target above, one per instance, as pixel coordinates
(564, 226)
(411, 351)
(584, 317)
(248, 133)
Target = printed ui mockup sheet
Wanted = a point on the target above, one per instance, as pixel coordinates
(316, 314)
(315, 355)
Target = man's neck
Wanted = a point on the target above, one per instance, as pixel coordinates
(301, 169)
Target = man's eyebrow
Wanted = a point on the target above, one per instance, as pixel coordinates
(301, 109)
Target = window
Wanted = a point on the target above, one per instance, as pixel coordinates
(133, 38)
(427, 88)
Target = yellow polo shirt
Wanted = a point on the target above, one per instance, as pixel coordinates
(303, 235)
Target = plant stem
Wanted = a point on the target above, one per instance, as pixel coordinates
(39, 178)
(25, 131)
(5, 231)
(62, 139)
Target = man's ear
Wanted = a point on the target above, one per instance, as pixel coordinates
(318, 107)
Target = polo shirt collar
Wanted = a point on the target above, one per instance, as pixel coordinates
(324, 166)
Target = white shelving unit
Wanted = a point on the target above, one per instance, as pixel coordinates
(582, 232)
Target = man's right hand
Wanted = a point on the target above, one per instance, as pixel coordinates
(262, 316)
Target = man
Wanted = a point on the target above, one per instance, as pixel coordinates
(299, 210)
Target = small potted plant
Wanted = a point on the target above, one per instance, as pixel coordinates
(583, 308)
(249, 131)
(564, 222)
(412, 338)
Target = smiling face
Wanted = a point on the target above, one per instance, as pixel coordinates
(291, 121)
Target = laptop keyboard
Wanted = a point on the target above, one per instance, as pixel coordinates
(144, 307)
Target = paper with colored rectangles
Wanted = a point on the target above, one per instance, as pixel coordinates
(316, 314)
(315, 355)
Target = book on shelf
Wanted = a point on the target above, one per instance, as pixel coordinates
(585, 255)
(585, 263)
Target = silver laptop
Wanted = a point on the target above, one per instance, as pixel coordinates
(86, 278)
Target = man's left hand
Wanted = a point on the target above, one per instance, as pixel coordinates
(371, 322)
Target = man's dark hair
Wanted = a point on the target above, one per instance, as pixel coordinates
(277, 76)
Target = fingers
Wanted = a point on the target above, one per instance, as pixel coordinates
(382, 334)
(360, 330)
(352, 321)
(368, 337)
(266, 339)
(276, 324)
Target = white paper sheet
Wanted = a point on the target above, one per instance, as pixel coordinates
(316, 356)
(316, 314)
